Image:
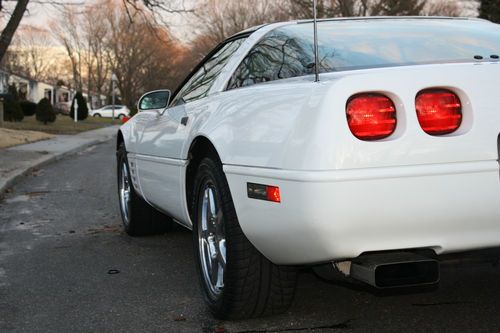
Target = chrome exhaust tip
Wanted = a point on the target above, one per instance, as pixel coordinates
(395, 269)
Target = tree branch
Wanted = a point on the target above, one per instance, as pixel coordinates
(10, 29)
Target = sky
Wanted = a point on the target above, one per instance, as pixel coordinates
(40, 15)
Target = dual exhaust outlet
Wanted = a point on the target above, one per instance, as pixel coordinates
(395, 269)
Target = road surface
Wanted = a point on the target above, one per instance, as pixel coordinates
(66, 266)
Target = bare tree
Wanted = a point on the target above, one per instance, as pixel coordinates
(169, 6)
(14, 20)
(142, 56)
(21, 5)
(219, 19)
(84, 34)
(96, 35)
(67, 31)
(443, 8)
(300, 9)
(33, 53)
(11, 27)
(34, 49)
(397, 7)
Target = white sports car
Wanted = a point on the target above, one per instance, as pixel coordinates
(385, 164)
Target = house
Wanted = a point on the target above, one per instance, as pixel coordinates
(59, 96)
(28, 88)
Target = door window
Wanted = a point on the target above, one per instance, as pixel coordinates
(200, 83)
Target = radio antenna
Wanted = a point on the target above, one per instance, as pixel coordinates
(316, 52)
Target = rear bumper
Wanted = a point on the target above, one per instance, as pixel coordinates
(335, 215)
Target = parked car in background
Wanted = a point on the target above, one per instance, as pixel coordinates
(380, 169)
(107, 111)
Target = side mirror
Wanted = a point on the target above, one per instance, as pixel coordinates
(154, 100)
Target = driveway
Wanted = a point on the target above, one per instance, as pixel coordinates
(66, 266)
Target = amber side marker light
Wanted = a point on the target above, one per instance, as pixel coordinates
(264, 192)
(371, 116)
(439, 111)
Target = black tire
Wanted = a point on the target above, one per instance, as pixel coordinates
(121, 116)
(252, 285)
(141, 219)
(97, 115)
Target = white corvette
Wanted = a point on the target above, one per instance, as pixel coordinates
(386, 163)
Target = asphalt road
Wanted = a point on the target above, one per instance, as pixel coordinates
(61, 242)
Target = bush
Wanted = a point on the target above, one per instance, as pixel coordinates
(13, 92)
(29, 108)
(83, 110)
(12, 110)
(44, 112)
(133, 111)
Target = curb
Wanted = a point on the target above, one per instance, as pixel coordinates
(47, 159)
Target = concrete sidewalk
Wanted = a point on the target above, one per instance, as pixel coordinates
(17, 161)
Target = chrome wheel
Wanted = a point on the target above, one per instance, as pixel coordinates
(211, 240)
(124, 191)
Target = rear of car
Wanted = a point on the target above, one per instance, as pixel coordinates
(387, 162)
(402, 143)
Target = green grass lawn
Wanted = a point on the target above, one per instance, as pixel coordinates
(62, 125)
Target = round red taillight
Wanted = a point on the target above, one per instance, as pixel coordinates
(371, 116)
(439, 111)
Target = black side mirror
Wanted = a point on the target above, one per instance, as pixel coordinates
(154, 100)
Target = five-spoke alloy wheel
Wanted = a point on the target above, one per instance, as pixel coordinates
(138, 217)
(212, 240)
(124, 193)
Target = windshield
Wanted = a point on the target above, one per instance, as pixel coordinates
(287, 51)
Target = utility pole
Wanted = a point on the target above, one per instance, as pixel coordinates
(113, 81)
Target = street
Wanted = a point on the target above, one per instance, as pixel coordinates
(66, 266)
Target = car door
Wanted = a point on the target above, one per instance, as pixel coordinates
(160, 166)
(106, 112)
